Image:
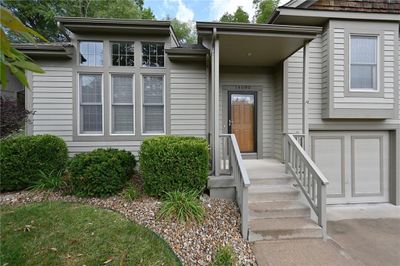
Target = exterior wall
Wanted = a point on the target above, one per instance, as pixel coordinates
(262, 81)
(188, 99)
(347, 104)
(55, 103)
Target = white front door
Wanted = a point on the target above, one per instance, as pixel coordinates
(356, 164)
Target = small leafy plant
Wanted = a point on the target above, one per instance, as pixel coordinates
(182, 205)
(131, 193)
(225, 256)
(52, 181)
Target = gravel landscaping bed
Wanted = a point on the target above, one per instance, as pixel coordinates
(193, 243)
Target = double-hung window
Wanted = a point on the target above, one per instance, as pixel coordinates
(363, 63)
(91, 104)
(122, 104)
(153, 104)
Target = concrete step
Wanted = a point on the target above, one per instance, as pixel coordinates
(274, 180)
(278, 209)
(283, 228)
(263, 193)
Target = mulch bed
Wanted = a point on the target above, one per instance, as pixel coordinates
(194, 244)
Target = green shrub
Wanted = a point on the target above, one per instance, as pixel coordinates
(24, 158)
(183, 206)
(172, 163)
(52, 181)
(130, 193)
(100, 173)
(225, 256)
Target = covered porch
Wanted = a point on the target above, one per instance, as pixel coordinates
(248, 122)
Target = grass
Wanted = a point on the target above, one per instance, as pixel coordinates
(51, 182)
(130, 193)
(58, 233)
(225, 256)
(184, 206)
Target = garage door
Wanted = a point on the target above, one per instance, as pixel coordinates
(356, 164)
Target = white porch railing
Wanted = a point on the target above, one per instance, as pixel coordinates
(232, 164)
(310, 179)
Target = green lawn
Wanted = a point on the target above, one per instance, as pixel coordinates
(58, 233)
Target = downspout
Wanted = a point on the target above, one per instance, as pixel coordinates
(61, 27)
(212, 109)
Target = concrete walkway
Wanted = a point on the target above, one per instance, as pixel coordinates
(362, 234)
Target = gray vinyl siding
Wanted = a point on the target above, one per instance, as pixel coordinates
(188, 96)
(53, 112)
(295, 92)
(278, 115)
(256, 78)
(324, 78)
(52, 102)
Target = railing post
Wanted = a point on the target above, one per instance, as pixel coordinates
(245, 213)
(322, 207)
(287, 154)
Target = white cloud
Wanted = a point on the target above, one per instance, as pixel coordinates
(219, 7)
(183, 13)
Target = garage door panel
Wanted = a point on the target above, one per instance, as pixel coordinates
(367, 168)
(356, 164)
(328, 153)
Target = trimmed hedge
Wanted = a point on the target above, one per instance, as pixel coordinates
(24, 160)
(100, 173)
(173, 163)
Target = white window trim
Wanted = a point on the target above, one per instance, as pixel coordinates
(79, 133)
(133, 104)
(142, 102)
(79, 53)
(377, 64)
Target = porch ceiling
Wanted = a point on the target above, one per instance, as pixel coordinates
(256, 50)
(256, 44)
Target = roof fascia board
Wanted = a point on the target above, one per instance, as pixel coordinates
(284, 11)
(206, 28)
(262, 34)
(100, 21)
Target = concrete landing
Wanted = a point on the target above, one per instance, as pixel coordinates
(302, 252)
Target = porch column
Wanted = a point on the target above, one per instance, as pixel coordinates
(215, 104)
(305, 92)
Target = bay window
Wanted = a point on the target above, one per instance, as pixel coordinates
(153, 104)
(363, 63)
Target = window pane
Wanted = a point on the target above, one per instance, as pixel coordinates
(90, 88)
(123, 54)
(152, 54)
(363, 77)
(153, 119)
(363, 49)
(91, 53)
(122, 119)
(91, 118)
(153, 87)
(122, 88)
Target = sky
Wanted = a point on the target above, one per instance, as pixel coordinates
(198, 10)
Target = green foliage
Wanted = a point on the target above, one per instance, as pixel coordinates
(184, 31)
(264, 9)
(60, 233)
(184, 206)
(24, 158)
(172, 163)
(11, 58)
(40, 14)
(240, 16)
(100, 173)
(131, 193)
(225, 256)
(51, 181)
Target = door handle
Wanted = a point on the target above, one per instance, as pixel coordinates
(230, 122)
